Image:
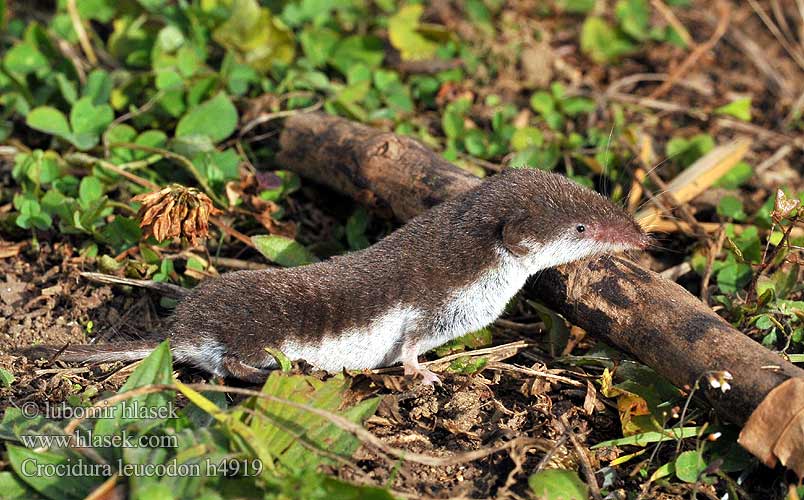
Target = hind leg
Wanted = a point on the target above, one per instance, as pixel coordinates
(410, 362)
(242, 371)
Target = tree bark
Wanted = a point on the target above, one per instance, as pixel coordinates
(634, 309)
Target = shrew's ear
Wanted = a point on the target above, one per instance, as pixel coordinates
(513, 234)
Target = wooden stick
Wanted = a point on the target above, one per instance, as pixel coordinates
(635, 309)
(166, 289)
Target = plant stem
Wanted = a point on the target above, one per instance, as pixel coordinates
(84, 159)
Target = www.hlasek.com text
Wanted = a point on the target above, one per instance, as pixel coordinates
(88, 439)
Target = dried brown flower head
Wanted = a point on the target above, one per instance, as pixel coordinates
(175, 211)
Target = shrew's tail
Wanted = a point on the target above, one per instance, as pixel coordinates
(106, 353)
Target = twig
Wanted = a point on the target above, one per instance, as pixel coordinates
(760, 132)
(556, 445)
(145, 107)
(788, 47)
(533, 373)
(768, 258)
(714, 249)
(166, 289)
(629, 80)
(652, 103)
(795, 110)
(758, 56)
(238, 263)
(520, 327)
(63, 371)
(85, 159)
(588, 471)
(724, 14)
(277, 115)
(775, 158)
(673, 21)
(675, 272)
(234, 233)
(83, 39)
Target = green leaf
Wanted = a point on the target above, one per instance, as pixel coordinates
(541, 158)
(574, 106)
(12, 486)
(468, 365)
(283, 361)
(475, 143)
(318, 44)
(51, 485)
(686, 151)
(733, 277)
(558, 484)
(283, 251)
(736, 177)
(472, 340)
(169, 39)
(88, 121)
(645, 438)
(67, 88)
(452, 123)
(731, 207)
(25, 58)
(90, 189)
(356, 49)
(49, 120)
(576, 6)
(542, 102)
(601, 42)
(98, 87)
(689, 466)
(259, 38)
(6, 377)
(272, 419)
(403, 31)
(356, 227)
(526, 137)
(215, 118)
(739, 108)
(634, 18)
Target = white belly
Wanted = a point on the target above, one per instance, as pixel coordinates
(479, 304)
(372, 347)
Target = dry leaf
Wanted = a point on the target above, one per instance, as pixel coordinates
(590, 401)
(629, 405)
(176, 211)
(10, 249)
(775, 430)
(698, 177)
(248, 189)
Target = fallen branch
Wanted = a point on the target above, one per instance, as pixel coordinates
(635, 309)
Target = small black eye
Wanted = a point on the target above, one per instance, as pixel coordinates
(580, 228)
